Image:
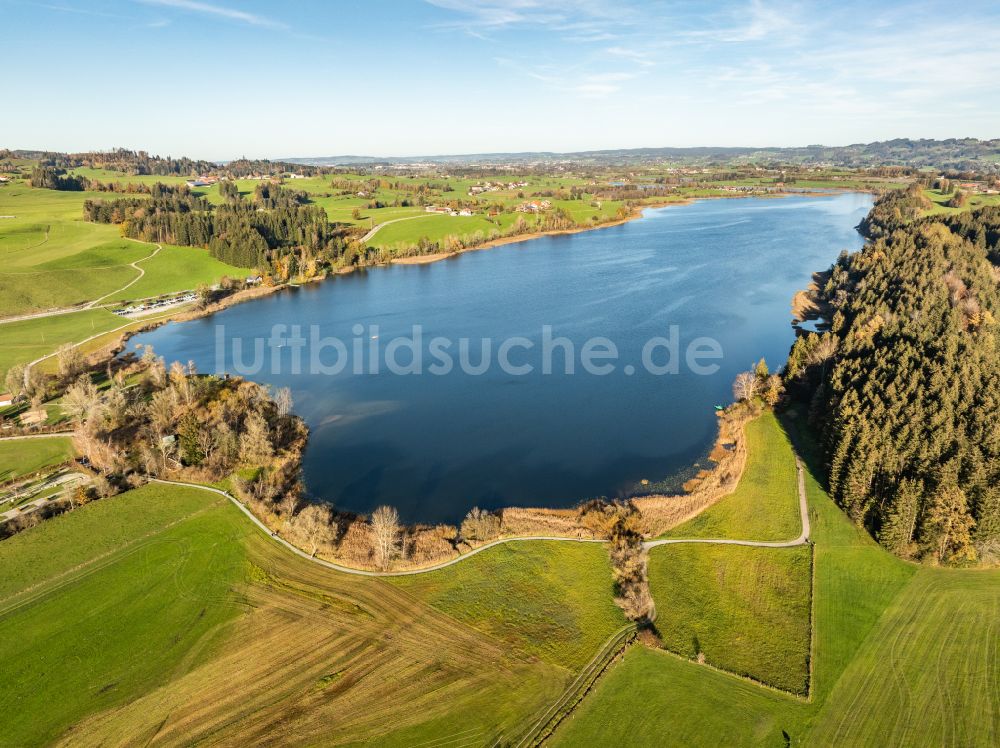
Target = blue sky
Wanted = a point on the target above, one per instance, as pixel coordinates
(223, 78)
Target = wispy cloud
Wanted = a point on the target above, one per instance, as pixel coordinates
(219, 11)
(76, 10)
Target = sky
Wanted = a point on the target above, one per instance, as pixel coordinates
(219, 79)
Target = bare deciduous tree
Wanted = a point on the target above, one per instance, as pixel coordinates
(70, 361)
(283, 401)
(181, 383)
(161, 410)
(385, 535)
(745, 386)
(14, 381)
(480, 525)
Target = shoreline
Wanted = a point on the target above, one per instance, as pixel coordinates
(693, 489)
(636, 215)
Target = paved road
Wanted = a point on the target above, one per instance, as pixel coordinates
(129, 323)
(800, 540)
(30, 506)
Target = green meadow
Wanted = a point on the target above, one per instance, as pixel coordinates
(765, 504)
(743, 609)
(939, 202)
(27, 340)
(91, 616)
(896, 657)
(23, 456)
(162, 611)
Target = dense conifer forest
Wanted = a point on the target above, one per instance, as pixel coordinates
(904, 387)
(275, 230)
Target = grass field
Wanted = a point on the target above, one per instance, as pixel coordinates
(24, 456)
(78, 640)
(552, 599)
(765, 504)
(178, 269)
(745, 609)
(162, 612)
(27, 340)
(939, 202)
(50, 258)
(930, 672)
(903, 656)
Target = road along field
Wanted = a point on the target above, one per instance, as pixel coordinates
(162, 615)
(900, 655)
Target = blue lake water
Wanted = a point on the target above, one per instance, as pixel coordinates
(434, 445)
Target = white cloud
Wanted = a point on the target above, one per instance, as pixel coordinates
(219, 11)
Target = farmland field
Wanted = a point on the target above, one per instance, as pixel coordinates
(188, 606)
(898, 661)
(939, 202)
(23, 456)
(746, 610)
(551, 599)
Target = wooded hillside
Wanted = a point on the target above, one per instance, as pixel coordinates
(905, 386)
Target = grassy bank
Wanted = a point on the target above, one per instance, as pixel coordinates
(24, 456)
(765, 504)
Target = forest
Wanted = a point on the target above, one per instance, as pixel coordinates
(904, 386)
(275, 230)
(138, 163)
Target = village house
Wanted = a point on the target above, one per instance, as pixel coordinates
(534, 206)
(201, 181)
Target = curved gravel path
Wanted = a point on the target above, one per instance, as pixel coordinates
(375, 229)
(800, 540)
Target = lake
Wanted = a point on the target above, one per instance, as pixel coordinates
(704, 289)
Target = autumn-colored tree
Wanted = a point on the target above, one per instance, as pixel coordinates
(69, 360)
(480, 525)
(773, 388)
(82, 400)
(314, 524)
(255, 442)
(947, 526)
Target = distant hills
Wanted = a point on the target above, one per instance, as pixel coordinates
(953, 153)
